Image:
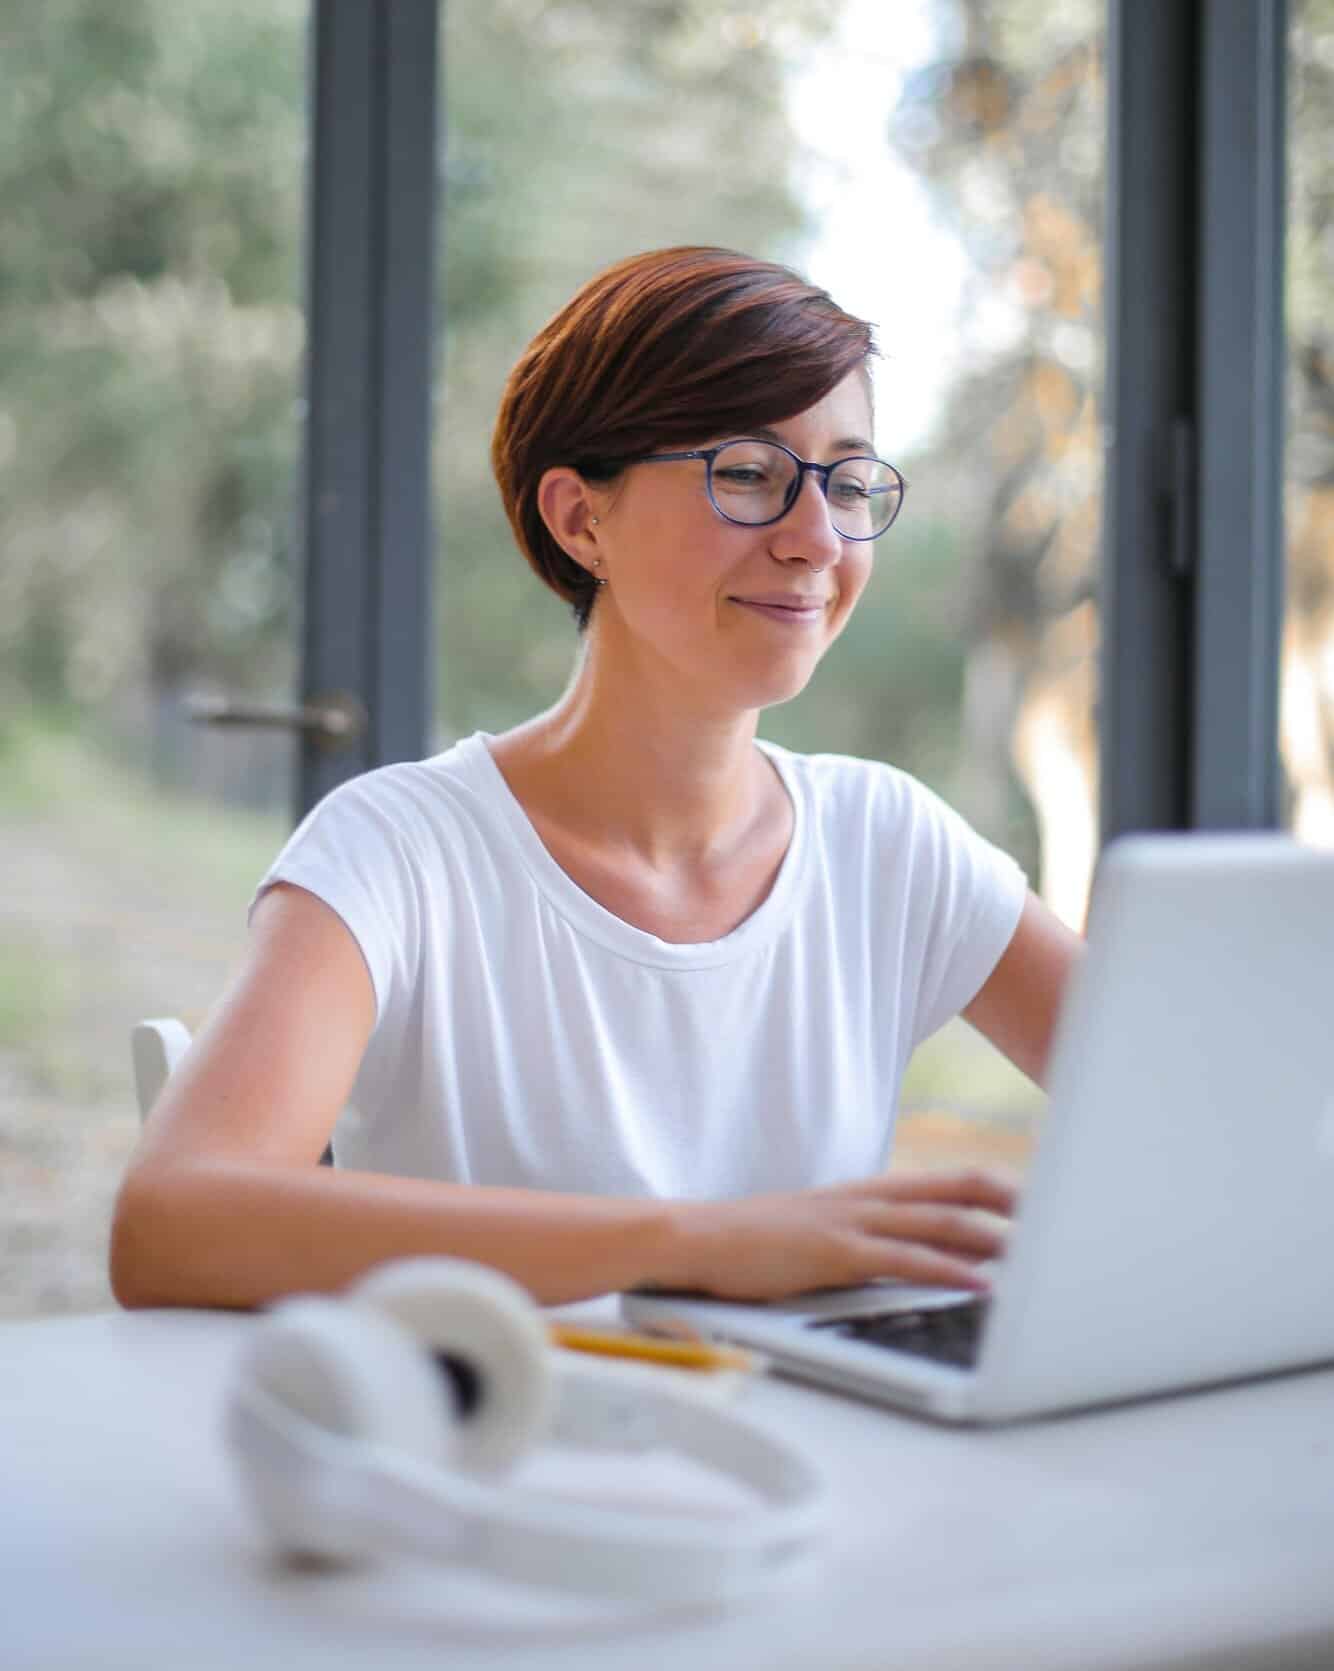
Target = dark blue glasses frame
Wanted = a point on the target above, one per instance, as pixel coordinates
(820, 471)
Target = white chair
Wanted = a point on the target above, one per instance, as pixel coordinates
(156, 1048)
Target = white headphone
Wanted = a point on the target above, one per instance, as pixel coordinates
(379, 1423)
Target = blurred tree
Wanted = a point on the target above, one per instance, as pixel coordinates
(1308, 651)
(1008, 128)
(150, 186)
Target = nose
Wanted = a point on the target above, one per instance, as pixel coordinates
(806, 533)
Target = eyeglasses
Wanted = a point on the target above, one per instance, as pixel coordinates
(754, 483)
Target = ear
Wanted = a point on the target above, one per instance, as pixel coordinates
(566, 506)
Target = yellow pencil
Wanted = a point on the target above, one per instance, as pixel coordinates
(682, 1354)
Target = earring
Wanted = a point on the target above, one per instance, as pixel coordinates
(593, 521)
(598, 580)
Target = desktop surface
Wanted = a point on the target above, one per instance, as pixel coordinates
(1193, 1530)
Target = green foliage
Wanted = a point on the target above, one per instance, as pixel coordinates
(34, 994)
(1309, 250)
(51, 774)
(128, 899)
(146, 139)
(958, 1069)
(149, 344)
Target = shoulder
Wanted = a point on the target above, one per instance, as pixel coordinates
(843, 788)
(387, 851)
(398, 832)
(412, 801)
(874, 823)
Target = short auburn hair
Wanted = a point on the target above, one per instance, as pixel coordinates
(662, 350)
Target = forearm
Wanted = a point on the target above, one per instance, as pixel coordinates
(236, 1234)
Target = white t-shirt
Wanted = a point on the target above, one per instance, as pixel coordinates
(526, 1036)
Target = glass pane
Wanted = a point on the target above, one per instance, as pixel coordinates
(1306, 712)
(150, 361)
(972, 660)
(944, 178)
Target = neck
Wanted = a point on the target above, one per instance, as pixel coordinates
(658, 769)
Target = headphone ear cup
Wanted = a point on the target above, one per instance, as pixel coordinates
(352, 1375)
(490, 1327)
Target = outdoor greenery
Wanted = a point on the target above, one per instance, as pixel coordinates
(150, 340)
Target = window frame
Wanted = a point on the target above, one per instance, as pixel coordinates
(365, 512)
(1192, 567)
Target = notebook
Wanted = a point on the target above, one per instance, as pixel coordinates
(1177, 1221)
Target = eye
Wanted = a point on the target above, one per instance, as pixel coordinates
(743, 475)
(751, 467)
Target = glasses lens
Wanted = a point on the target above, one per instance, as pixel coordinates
(864, 497)
(752, 481)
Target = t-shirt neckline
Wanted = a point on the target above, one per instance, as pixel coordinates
(595, 921)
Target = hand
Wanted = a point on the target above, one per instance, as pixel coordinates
(929, 1227)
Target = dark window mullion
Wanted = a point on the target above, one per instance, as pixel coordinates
(1192, 570)
(370, 262)
(1145, 609)
(1239, 601)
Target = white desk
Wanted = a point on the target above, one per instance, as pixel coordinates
(1184, 1532)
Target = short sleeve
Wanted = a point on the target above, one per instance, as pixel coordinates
(972, 895)
(351, 854)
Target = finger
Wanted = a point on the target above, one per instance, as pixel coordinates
(971, 1186)
(912, 1263)
(948, 1228)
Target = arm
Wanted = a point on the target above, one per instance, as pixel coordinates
(223, 1203)
(1021, 999)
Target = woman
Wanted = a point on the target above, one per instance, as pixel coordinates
(621, 997)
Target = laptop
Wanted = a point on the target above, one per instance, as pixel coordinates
(1177, 1221)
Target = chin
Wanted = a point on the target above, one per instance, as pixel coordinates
(772, 689)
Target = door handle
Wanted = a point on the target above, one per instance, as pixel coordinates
(332, 722)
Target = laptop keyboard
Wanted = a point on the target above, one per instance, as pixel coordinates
(947, 1333)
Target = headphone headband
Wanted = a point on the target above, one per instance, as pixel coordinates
(391, 1502)
(331, 1423)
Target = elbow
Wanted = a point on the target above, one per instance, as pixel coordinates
(137, 1255)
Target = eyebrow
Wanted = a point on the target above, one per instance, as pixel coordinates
(845, 443)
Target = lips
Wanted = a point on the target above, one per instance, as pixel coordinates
(788, 611)
(782, 600)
